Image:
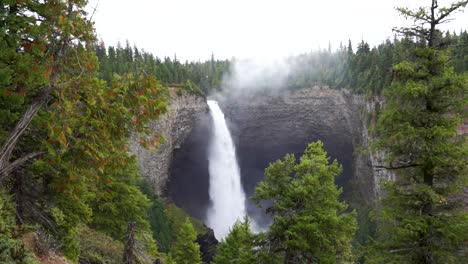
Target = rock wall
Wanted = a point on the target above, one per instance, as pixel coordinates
(369, 112)
(266, 126)
(183, 112)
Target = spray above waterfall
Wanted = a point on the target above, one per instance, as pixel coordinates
(226, 193)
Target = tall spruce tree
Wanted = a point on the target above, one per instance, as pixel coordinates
(186, 250)
(310, 224)
(421, 220)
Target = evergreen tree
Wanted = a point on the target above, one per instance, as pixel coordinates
(460, 53)
(158, 220)
(238, 246)
(186, 250)
(12, 250)
(310, 224)
(421, 221)
(78, 144)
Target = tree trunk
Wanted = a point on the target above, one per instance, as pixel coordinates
(288, 257)
(129, 250)
(433, 24)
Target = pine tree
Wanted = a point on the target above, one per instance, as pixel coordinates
(421, 221)
(309, 224)
(238, 246)
(186, 250)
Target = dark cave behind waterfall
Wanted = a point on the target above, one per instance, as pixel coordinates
(262, 134)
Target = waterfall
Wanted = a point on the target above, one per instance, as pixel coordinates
(226, 193)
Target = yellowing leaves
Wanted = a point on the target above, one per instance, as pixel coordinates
(47, 73)
(62, 139)
(92, 65)
(91, 101)
(61, 20)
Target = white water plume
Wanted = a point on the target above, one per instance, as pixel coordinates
(226, 193)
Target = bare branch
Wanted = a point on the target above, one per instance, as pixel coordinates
(94, 11)
(19, 162)
(447, 11)
(381, 167)
(21, 126)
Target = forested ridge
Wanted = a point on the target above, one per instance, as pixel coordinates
(358, 67)
(171, 72)
(69, 103)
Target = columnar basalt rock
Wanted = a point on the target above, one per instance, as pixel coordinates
(175, 126)
(267, 125)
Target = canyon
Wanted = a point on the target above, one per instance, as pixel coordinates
(264, 126)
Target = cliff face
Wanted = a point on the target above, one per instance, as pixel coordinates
(264, 126)
(175, 126)
(267, 126)
(368, 114)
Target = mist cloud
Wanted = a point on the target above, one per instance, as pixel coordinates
(256, 75)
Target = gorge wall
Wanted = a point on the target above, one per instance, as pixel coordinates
(184, 112)
(266, 126)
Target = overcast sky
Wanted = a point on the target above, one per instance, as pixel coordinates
(249, 28)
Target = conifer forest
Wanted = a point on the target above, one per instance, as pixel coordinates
(113, 152)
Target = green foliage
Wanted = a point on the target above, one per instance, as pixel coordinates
(119, 60)
(177, 217)
(418, 128)
(193, 88)
(88, 164)
(421, 221)
(12, 250)
(158, 220)
(85, 174)
(186, 250)
(309, 222)
(179, 92)
(238, 246)
(460, 52)
(169, 259)
(122, 192)
(98, 248)
(366, 70)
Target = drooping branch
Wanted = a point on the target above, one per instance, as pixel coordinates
(19, 162)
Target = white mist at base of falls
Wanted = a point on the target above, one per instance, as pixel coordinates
(226, 193)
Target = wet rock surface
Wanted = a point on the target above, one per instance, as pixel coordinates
(267, 126)
(208, 244)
